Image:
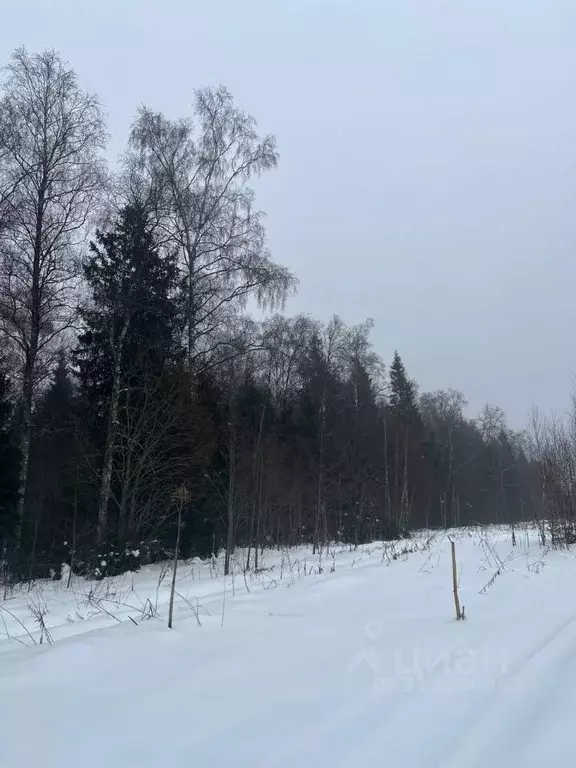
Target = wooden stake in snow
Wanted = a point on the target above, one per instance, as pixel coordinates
(459, 613)
(181, 496)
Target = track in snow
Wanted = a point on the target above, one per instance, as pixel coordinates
(364, 666)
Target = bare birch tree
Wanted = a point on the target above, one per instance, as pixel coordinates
(51, 175)
(195, 174)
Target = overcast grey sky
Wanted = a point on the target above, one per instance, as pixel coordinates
(428, 160)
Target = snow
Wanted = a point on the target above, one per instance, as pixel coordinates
(349, 660)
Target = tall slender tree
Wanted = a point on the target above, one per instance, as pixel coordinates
(195, 175)
(51, 177)
(402, 391)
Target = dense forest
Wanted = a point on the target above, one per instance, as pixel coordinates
(134, 383)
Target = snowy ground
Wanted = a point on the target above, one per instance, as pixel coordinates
(356, 660)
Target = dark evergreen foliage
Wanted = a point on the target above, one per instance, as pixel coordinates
(9, 458)
(281, 432)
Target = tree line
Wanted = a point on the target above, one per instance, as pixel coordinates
(132, 376)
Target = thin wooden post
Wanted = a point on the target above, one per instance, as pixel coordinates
(459, 613)
(181, 496)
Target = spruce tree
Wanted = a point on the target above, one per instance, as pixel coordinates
(54, 473)
(9, 461)
(402, 391)
(130, 330)
(133, 315)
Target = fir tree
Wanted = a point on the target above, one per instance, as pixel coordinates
(54, 472)
(130, 330)
(9, 461)
(134, 314)
(402, 391)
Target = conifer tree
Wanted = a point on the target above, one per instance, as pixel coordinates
(129, 327)
(9, 461)
(402, 391)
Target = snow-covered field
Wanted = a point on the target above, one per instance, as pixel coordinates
(349, 661)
